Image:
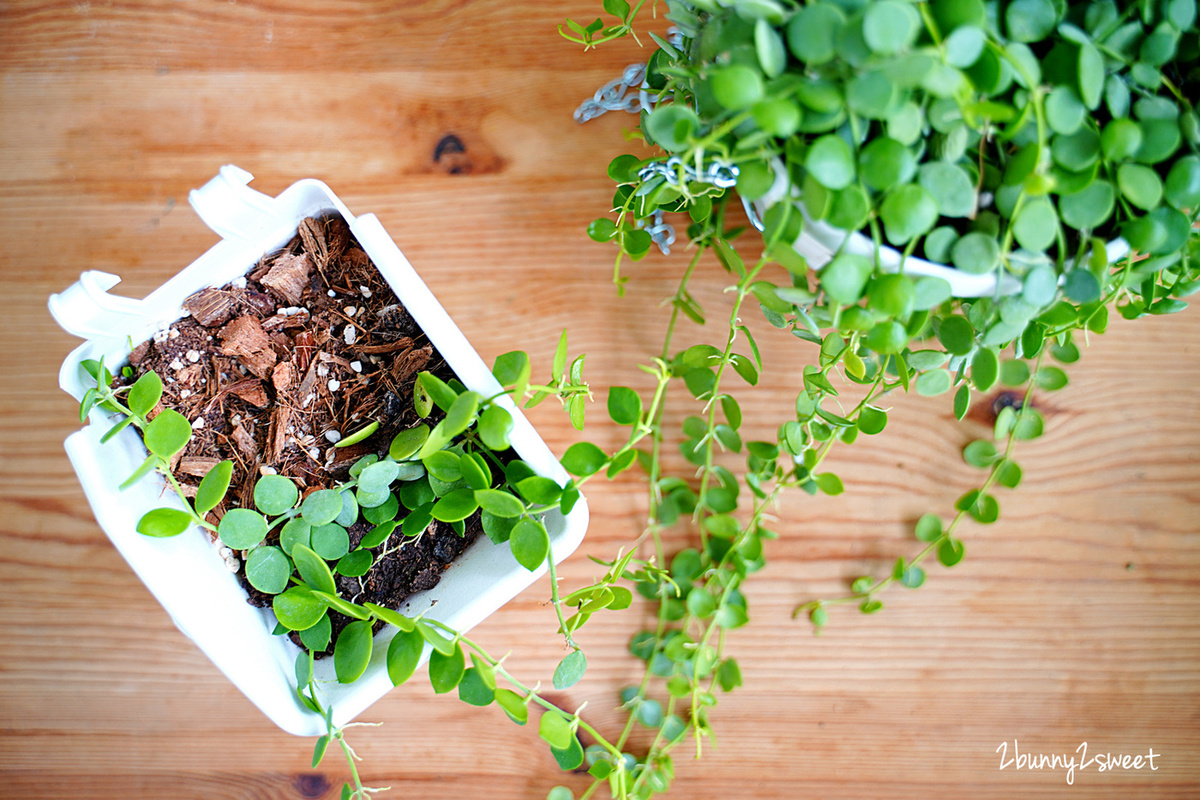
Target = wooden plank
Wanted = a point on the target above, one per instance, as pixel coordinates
(1072, 619)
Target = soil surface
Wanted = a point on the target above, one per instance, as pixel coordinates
(273, 369)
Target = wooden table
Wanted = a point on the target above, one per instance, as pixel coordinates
(1073, 619)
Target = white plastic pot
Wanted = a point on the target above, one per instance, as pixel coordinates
(819, 241)
(186, 573)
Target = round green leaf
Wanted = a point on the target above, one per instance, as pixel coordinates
(892, 295)
(445, 671)
(933, 383)
(890, 26)
(1064, 110)
(671, 126)
(352, 652)
(330, 541)
(570, 670)
(295, 531)
(457, 505)
(1030, 20)
(317, 637)
(1089, 207)
(444, 466)
(167, 434)
(297, 608)
(377, 477)
(812, 32)
(241, 528)
(777, 116)
(404, 653)
(1140, 185)
(583, 459)
(530, 543)
(321, 507)
(1078, 151)
(737, 86)
(495, 426)
(872, 420)
(845, 277)
(956, 335)
(145, 394)
(407, 442)
(985, 369)
(268, 569)
(1036, 224)
(887, 338)
(1120, 139)
(950, 552)
(977, 253)
(907, 212)
(872, 94)
(499, 502)
(950, 187)
(885, 163)
(980, 453)
(473, 690)
(830, 161)
(275, 494)
(163, 522)
(1183, 183)
(355, 564)
(964, 46)
(624, 405)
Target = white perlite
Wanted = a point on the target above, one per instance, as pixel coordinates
(333, 436)
(350, 335)
(193, 356)
(334, 385)
(198, 423)
(356, 366)
(176, 365)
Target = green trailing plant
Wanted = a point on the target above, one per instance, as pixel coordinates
(295, 547)
(1047, 147)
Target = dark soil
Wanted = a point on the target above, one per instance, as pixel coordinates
(310, 347)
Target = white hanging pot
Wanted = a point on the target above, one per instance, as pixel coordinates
(186, 573)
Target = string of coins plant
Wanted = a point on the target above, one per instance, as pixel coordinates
(446, 472)
(1023, 141)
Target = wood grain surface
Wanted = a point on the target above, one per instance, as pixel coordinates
(1073, 619)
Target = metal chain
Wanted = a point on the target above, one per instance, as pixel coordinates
(619, 94)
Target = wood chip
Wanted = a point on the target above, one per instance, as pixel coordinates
(283, 376)
(412, 362)
(312, 233)
(278, 435)
(196, 466)
(390, 347)
(245, 443)
(246, 339)
(211, 307)
(251, 390)
(288, 276)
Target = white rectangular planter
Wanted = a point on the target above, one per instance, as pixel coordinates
(185, 573)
